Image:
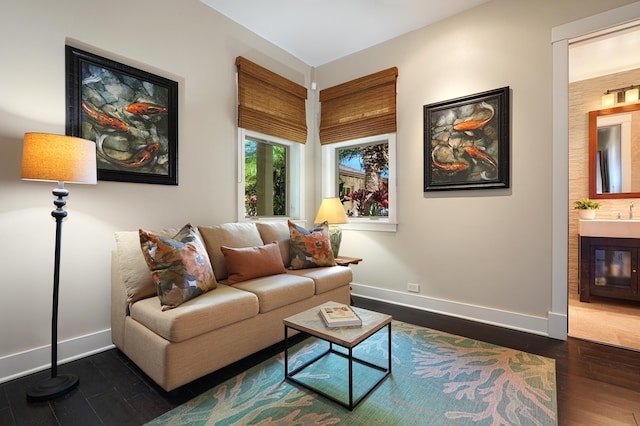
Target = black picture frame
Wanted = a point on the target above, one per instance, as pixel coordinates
(131, 114)
(467, 141)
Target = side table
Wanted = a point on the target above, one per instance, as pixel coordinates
(347, 338)
(346, 260)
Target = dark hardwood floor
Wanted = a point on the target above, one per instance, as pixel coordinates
(597, 384)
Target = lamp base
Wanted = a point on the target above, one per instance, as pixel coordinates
(335, 237)
(53, 387)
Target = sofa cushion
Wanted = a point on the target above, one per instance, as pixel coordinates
(134, 271)
(310, 248)
(326, 279)
(279, 290)
(229, 235)
(252, 262)
(179, 265)
(276, 231)
(215, 309)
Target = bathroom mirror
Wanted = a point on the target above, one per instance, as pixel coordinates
(614, 152)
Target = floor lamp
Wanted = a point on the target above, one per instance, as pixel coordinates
(61, 159)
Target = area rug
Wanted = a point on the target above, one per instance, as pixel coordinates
(436, 379)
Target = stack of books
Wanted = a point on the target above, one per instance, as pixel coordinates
(340, 316)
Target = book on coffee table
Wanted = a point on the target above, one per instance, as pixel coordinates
(339, 316)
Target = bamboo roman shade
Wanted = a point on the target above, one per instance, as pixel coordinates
(359, 108)
(269, 103)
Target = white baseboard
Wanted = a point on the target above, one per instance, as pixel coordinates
(558, 325)
(506, 319)
(31, 361)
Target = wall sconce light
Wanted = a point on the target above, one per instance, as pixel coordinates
(622, 95)
(608, 100)
(631, 95)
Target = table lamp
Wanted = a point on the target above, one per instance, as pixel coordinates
(61, 159)
(331, 210)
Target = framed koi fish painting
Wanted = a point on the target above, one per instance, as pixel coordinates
(466, 142)
(131, 114)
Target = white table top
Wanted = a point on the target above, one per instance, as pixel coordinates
(311, 322)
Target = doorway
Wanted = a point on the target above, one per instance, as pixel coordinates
(604, 320)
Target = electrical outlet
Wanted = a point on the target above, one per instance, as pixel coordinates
(413, 287)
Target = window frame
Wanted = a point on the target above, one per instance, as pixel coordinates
(295, 177)
(330, 182)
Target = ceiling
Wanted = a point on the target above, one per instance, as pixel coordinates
(320, 31)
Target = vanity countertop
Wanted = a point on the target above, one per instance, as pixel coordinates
(614, 228)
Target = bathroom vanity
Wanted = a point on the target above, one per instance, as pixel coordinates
(608, 256)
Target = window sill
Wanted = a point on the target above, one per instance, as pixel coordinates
(380, 225)
(266, 219)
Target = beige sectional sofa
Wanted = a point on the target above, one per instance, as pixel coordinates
(221, 326)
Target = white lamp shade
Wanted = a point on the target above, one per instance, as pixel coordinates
(332, 211)
(631, 95)
(58, 158)
(608, 100)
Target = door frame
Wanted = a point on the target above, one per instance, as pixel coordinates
(560, 38)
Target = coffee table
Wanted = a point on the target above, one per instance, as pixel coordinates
(311, 323)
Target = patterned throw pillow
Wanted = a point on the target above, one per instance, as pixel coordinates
(310, 248)
(180, 266)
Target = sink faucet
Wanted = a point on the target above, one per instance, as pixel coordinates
(631, 210)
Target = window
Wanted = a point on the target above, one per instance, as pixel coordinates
(361, 173)
(363, 179)
(269, 178)
(270, 168)
(357, 134)
(265, 178)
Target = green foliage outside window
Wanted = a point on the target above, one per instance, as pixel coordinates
(372, 197)
(270, 174)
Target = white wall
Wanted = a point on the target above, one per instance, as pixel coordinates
(183, 40)
(481, 254)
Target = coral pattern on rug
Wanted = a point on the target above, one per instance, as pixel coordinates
(437, 379)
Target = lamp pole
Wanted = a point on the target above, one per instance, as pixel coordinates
(56, 385)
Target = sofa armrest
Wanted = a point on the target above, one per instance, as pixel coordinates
(119, 304)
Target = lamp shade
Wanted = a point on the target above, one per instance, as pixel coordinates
(631, 95)
(58, 158)
(332, 211)
(608, 100)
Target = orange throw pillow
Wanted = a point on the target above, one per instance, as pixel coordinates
(252, 262)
